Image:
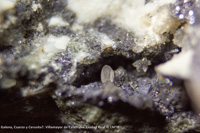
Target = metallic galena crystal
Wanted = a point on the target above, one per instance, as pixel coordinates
(185, 10)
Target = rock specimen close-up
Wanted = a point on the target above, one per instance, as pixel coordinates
(100, 66)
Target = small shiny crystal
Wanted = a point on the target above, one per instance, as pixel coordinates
(192, 20)
(110, 99)
(181, 16)
(69, 95)
(185, 1)
(178, 8)
(191, 12)
(72, 103)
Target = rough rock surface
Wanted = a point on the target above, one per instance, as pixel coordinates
(89, 65)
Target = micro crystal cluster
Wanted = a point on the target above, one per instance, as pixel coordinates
(119, 65)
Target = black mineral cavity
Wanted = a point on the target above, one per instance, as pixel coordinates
(91, 73)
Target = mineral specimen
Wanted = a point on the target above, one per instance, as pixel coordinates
(88, 66)
(185, 65)
(107, 78)
(142, 64)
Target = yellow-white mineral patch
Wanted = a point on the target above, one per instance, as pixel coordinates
(148, 21)
(46, 48)
(178, 66)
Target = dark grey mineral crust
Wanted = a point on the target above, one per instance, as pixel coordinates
(61, 75)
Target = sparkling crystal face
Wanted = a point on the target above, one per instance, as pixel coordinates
(107, 74)
(184, 10)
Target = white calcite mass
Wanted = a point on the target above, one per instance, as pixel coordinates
(148, 21)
